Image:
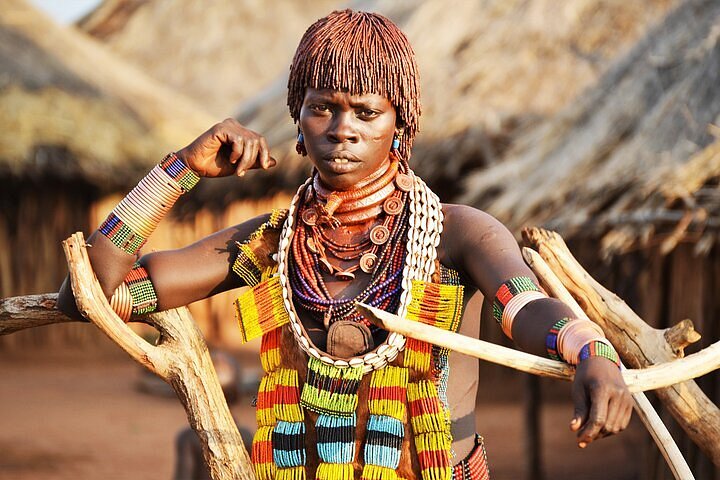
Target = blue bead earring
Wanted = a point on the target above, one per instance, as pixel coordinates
(300, 145)
(396, 143)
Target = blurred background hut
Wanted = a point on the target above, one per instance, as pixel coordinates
(593, 117)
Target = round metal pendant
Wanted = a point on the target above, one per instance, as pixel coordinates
(326, 266)
(379, 234)
(311, 245)
(310, 216)
(393, 205)
(367, 262)
(344, 276)
(404, 182)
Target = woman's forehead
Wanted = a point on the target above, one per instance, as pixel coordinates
(328, 94)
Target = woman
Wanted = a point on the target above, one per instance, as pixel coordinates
(342, 399)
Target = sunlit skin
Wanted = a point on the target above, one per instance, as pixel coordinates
(347, 138)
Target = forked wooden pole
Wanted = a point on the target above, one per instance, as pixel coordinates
(667, 446)
(181, 358)
(639, 345)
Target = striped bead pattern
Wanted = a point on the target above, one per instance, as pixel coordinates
(142, 291)
(551, 339)
(330, 389)
(336, 438)
(599, 348)
(430, 422)
(246, 264)
(508, 290)
(121, 235)
(475, 465)
(178, 171)
(260, 309)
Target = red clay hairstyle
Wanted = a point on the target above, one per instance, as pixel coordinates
(361, 53)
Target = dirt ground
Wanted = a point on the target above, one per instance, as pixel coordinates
(80, 416)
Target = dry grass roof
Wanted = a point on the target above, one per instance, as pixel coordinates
(489, 69)
(73, 111)
(632, 157)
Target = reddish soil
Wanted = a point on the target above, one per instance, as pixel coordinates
(81, 416)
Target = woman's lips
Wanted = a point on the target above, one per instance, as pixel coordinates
(340, 157)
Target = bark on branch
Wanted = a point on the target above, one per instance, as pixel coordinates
(18, 313)
(639, 344)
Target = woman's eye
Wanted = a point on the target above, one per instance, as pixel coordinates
(367, 113)
(319, 108)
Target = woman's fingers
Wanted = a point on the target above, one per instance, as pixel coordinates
(249, 155)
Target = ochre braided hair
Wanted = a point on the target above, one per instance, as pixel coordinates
(361, 53)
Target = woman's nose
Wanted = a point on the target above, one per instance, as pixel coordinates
(342, 128)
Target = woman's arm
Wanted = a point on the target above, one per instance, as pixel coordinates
(486, 254)
(199, 270)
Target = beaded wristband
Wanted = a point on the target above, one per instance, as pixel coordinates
(179, 172)
(573, 336)
(599, 348)
(134, 219)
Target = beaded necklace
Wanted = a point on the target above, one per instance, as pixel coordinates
(379, 253)
(410, 393)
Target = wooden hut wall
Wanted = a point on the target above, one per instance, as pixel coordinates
(36, 218)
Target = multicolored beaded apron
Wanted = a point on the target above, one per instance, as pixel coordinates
(388, 424)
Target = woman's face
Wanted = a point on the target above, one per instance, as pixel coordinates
(347, 137)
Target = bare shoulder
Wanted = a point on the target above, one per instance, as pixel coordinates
(479, 246)
(466, 226)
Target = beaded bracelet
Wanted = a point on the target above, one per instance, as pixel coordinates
(134, 219)
(599, 348)
(511, 297)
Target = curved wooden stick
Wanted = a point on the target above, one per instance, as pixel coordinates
(181, 358)
(650, 418)
(651, 378)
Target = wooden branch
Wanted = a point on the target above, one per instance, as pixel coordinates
(18, 313)
(650, 418)
(639, 344)
(181, 358)
(639, 380)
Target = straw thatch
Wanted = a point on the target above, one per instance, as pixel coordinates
(623, 160)
(217, 52)
(488, 68)
(73, 111)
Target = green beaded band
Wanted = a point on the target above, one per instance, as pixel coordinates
(144, 298)
(599, 348)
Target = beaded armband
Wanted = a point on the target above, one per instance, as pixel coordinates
(511, 297)
(551, 339)
(134, 219)
(599, 348)
(136, 295)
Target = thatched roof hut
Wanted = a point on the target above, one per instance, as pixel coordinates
(489, 69)
(629, 175)
(217, 52)
(77, 124)
(619, 163)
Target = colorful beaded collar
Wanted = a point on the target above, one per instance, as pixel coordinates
(423, 238)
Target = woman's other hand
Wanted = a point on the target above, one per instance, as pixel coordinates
(227, 148)
(603, 404)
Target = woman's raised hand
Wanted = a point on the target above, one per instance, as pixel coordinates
(227, 148)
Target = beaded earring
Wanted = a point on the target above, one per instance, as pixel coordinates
(396, 139)
(300, 145)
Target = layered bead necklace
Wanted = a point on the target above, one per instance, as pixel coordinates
(380, 251)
